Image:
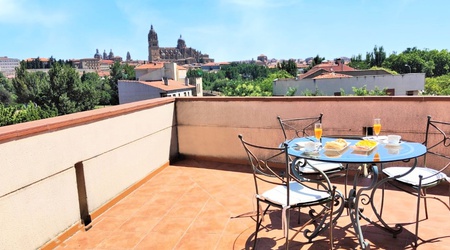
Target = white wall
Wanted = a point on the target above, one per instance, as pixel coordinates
(401, 84)
(132, 91)
(38, 187)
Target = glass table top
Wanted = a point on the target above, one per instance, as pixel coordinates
(382, 152)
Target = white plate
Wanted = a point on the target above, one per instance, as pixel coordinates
(364, 149)
(394, 144)
(336, 151)
(301, 144)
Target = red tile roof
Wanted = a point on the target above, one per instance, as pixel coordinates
(330, 67)
(331, 75)
(173, 85)
(150, 66)
(107, 61)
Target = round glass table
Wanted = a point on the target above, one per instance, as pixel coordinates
(381, 153)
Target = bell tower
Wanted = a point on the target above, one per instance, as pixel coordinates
(153, 47)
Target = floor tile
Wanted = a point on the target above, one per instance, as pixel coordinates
(196, 204)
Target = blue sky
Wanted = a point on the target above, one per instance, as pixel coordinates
(227, 30)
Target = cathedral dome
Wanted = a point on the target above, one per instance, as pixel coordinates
(181, 44)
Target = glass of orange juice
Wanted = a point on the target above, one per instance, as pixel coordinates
(318, 131)
(377, 126)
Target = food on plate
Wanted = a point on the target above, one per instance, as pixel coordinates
(337, 144)
(366, 144)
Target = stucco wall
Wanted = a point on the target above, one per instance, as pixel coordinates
(133, 91)
(38, 186)
(401, 84)
(209, 127)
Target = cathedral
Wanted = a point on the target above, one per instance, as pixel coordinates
(180, 54)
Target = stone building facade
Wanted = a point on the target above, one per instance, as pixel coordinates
(181, 54)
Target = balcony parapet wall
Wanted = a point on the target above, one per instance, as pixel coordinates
(118, 147)
(58, 173)
(208, 127)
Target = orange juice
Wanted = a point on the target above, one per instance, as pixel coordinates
(376, 157)
(377, 128)
(318, 133)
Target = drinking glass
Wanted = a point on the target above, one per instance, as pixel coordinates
(318, 131)
(377, 126)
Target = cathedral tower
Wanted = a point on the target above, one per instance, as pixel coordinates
(153, 47)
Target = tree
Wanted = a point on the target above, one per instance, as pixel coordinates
(291, 91)
(28, 86)
(358, 63)
(6, 90)
(290, 66)
(315, 61)
(67, 93)
(437, 85)
(364, 92)
(128, 72)
(194, 73)
(377, 57)
(23, 113)
(116, 74)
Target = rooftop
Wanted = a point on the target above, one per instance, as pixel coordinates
(207, 205)
(172, 172)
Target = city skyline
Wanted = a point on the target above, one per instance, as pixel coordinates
(227, 30)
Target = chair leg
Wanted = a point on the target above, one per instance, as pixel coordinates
(424, 195)
(419, 193)
(345, 186)
(333, 193)
(288, 215)
(258, 222)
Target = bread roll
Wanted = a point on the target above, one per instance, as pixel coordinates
(337, 144)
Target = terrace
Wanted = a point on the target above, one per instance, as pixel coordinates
(171, 174)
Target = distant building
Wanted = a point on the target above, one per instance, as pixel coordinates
(212, 66)
(89, 63)
(8, 65)
(262, 58)
(156, 80)
(109, 56)
(331, 78)
(179, 55)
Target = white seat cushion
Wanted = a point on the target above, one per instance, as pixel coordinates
(298, 194)
(324, 166)
(413, 177)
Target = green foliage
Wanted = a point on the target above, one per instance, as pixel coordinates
(373, 59)
(289, 66)
(6, 90)
(364, 92)
(358, 63)
(385, 69)
(128, 72)
(315, 61)
(28, 86)
(67, 93)
(101, 86)
(61, 89)
(116, 74)
(23, 113)
(437, 85)
(308, 92)
(431, 62)
(194, 73)
(291, 91)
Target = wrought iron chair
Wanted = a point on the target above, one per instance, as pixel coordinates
(271, 169)
(421, 178)
(303, 127)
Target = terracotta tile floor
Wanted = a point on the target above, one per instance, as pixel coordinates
(191, 205)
